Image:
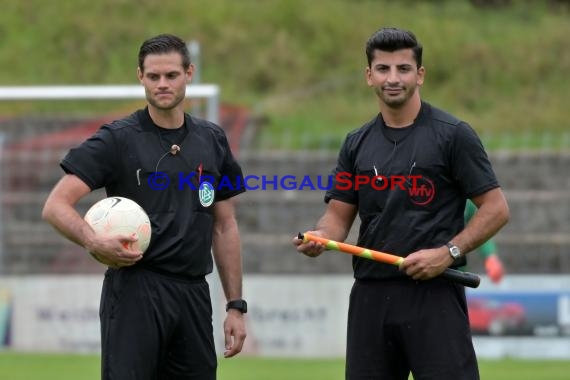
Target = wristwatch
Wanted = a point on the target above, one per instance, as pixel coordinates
(454, 251)
(240, 305)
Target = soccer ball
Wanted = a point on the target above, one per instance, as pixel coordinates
(118, 215)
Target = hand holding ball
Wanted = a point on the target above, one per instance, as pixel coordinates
(120, 216)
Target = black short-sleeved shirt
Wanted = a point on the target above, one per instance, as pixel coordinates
(124, 156)
(422, 181)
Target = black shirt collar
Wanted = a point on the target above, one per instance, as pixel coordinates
(399, 134)
(148, 125)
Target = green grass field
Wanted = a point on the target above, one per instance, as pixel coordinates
(16, 366)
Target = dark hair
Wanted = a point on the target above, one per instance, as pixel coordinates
(392, 39)
(162, 44)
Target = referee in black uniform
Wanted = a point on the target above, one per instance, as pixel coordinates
(156, 312)
(422, 164)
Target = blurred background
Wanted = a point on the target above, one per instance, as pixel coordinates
(290, 76)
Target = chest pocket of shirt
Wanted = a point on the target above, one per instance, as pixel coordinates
(431, 188)
(372, 191)
(204, 197)
(156, 190)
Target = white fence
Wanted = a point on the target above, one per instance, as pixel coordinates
(289, 316)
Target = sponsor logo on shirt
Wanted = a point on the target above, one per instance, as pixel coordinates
(423, 192)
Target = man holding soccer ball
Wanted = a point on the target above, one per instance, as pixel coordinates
(156, 312)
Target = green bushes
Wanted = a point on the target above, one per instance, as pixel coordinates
(301, 63)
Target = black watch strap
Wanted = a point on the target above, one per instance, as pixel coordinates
(240, 305)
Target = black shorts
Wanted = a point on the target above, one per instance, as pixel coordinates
(398, 326)
(155, 327)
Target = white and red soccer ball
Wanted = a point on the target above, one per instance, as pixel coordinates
(119, 215)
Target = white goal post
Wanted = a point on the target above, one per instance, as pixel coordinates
(209, 92)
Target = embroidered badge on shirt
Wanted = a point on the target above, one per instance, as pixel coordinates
(206, 194)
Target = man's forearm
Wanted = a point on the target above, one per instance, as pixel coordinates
(67, 221)
(335, 224)
(226, 247)
(492, 215)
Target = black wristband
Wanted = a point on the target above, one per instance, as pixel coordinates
(240, 305)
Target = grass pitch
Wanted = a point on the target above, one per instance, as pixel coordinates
(24, 366)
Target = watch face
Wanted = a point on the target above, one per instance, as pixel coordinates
(455, 253)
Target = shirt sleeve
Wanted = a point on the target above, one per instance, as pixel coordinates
(93, 160)
(343, 190)
(470, 164)
(231, 174)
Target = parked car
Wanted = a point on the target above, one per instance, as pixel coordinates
(493, 317)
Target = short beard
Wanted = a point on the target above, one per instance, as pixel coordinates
(169, 107)
(395, 102)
